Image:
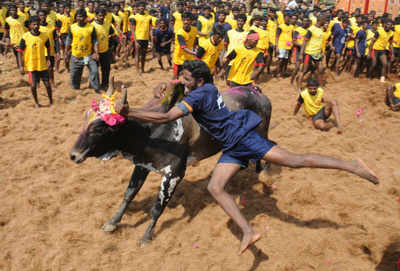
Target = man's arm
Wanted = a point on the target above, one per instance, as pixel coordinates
(20, 50)
(298, 105)
(155, 117)
(182, 44)
(95, 43)
(259, 63)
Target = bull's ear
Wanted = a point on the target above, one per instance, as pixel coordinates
(109, 92)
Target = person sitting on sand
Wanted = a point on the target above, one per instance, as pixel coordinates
(312, 99)
(240, 141)
(392, 98)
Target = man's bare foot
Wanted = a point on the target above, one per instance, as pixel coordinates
(247, 240)
(37, 105)
(362, 170)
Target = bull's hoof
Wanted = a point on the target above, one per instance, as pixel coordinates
(146, 239)
(109, 227)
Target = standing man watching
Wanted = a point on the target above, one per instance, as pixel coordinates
(82, 42)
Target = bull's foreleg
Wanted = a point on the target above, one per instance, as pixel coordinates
(168, 185)
(137, 179)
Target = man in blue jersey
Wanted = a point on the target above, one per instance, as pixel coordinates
(239, 139)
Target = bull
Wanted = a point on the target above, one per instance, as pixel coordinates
(163, 148)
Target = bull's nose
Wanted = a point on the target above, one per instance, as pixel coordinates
(72, 156)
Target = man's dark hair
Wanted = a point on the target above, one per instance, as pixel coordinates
(81, 12)
(312, 82)
(100, 10)
(242, 16)
(34, 19)
(187, 15)
(141, 3)
(198, 69)
(219, 30)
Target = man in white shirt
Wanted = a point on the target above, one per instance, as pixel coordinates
(293, 5)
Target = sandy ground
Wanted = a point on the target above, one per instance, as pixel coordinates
(52, 210)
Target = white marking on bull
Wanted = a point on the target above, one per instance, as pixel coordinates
(166, 170)
(172, 185)
(177, 130)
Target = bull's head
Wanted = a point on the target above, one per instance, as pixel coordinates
(99, 136)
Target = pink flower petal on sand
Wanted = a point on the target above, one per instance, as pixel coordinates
(266, 228)
(195, 245)
(329, 262)
(398, 200)
(274, 187)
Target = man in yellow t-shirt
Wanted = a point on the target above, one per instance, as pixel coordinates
(14, 29)
(247, 62)
(83, 44)
(141, 31)
(392, 98)
(299, 34)
(312, 99)
(33, 59)
(210, 50)
(90, 11)
(176, 18)
(396, 43)
(380, 45)
(51, 32)
(185, 40)
(311, 50)
(284, 43)
(105, 33)
(205, 24)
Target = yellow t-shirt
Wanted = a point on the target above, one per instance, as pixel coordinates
(179, 54)
(178, 24)
(206, 27)
(247, 25)
(382, 43)
(108, 18)
(396, 93)
(34, 53)
(212, 53)
(142, 29)
(49, 30)
(125, 20)
(72, 13)
(51, 18)
(312, 103)
(396, 36)
(236, 39)
(102, 33)
(243, 65)
(90, 16)
(314, 45)
(325, 39)
(354, 29)
(2, 23)
(263, 42)
(66, 22)
(17, 29)
(281, 18)
(271, 27)
(230, 20)
(118, 21)
(301, 33)
(82, 40)
(285, 38)
(23, 14)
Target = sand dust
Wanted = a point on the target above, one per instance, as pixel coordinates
(52, 210)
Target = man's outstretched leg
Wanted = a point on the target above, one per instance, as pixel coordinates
(221, 175)
(283, 157)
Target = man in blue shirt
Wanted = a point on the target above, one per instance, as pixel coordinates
(240, 141)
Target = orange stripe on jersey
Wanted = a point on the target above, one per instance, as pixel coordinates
(188, 106)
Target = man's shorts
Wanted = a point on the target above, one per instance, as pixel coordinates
(143, 44)
(350, 51)
(252, 147)
(314, 59)
(395, 100)
(166, 50)
(320, 115)
(283, 53)
(339, 49)
(378, 53)
(177, 69)
(396, 52)
(35, 76)
(296, 54)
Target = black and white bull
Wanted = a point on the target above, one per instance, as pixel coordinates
(163, 148)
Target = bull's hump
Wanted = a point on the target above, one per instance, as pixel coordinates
(172, 131)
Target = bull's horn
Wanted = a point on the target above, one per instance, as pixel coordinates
(124, 94)
(111, 90)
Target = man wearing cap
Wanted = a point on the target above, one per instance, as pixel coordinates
(243, 60)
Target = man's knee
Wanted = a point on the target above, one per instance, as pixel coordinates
(213, 188)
